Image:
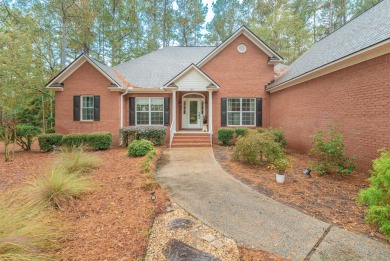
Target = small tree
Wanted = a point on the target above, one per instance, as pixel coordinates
(328, 148)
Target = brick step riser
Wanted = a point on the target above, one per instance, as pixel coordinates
(189, 145)
(192, 139)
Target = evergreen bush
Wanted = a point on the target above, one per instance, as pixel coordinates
(377, 196)
(47, 142)
(155, 134)
(225, 135)
(140, 148)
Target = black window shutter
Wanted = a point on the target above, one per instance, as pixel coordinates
(166, 111)
(259, 112)
(96, 108)
(223, 111)
(76, 108)
(132, 111)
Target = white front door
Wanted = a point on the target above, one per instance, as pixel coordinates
(192, 113)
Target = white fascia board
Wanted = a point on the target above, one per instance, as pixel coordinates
(359, 57)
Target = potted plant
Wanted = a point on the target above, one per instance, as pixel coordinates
(280, 164)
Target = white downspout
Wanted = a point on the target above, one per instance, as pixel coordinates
(121, 111)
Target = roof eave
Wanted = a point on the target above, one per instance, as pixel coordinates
(371, 52)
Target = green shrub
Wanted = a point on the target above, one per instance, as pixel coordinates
(257, 147)
(25, 134)
(241, 131)
(139, 148)
(75, 140)
(77, 161)
(378, 194)
(47, 142)
(225, 135)
(145, 166)
(328, 148)
(58, 187)
(50, 130)
(279, 136)
(26, 232)
(155, 134)
(100, 140)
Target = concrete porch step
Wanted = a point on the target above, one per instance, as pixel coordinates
(187, 145)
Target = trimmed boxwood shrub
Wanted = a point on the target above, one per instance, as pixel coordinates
(75, 140)
(139, 148)
(50, 130)
(99, 140)
(225, 135)
(241, 131)
(47, 142)
(155, 134)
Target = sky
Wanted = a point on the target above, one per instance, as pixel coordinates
(210, 13)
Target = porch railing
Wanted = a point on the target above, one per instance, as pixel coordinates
(172, 132)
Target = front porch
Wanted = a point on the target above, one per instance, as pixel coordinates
(192, 108)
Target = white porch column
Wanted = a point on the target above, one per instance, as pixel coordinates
(174, 110)
(210, 120)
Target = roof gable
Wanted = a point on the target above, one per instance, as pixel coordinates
(193, 79)
(106, 71)
(274, 58)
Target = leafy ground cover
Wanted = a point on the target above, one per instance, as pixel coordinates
(331, 198)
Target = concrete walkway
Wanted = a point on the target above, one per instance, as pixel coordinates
(198, 184)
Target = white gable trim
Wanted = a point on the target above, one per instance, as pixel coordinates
(253, 38)
(71, 68)
(188, 69)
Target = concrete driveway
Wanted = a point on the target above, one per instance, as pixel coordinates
(198, 184)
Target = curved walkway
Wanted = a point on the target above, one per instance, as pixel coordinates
(198, 184)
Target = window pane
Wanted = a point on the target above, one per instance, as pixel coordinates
(157, 118)
(87, 114)
(142, 104)
(248, 118)
(87, 101)
(234, 104)
(143, 118)
(233, 118)
(157, 104)
(248, 104)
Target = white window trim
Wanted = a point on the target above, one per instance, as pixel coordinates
(81, 107)
(227, 112)
(150, 111)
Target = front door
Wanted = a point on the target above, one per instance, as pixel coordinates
(192, 113)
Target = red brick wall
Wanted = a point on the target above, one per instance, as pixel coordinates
(357, 99)
(239, 75)
(86, 80)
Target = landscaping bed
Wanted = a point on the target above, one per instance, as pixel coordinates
(113, 221)
(331, 198)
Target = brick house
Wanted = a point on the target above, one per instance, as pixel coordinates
(342, 80)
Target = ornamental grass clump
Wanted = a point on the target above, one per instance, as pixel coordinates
(59, 187)
(377, 196)
(26, 232)
(328, 148)
(75, 160)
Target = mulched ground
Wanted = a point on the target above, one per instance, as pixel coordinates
(111, 223)
(331, 198)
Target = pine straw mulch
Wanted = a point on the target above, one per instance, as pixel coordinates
(114, 222)
(111, 223)
(330, 198)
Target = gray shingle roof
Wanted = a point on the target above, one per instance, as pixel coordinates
(157, 68)
(108, 70)
(370, 28)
